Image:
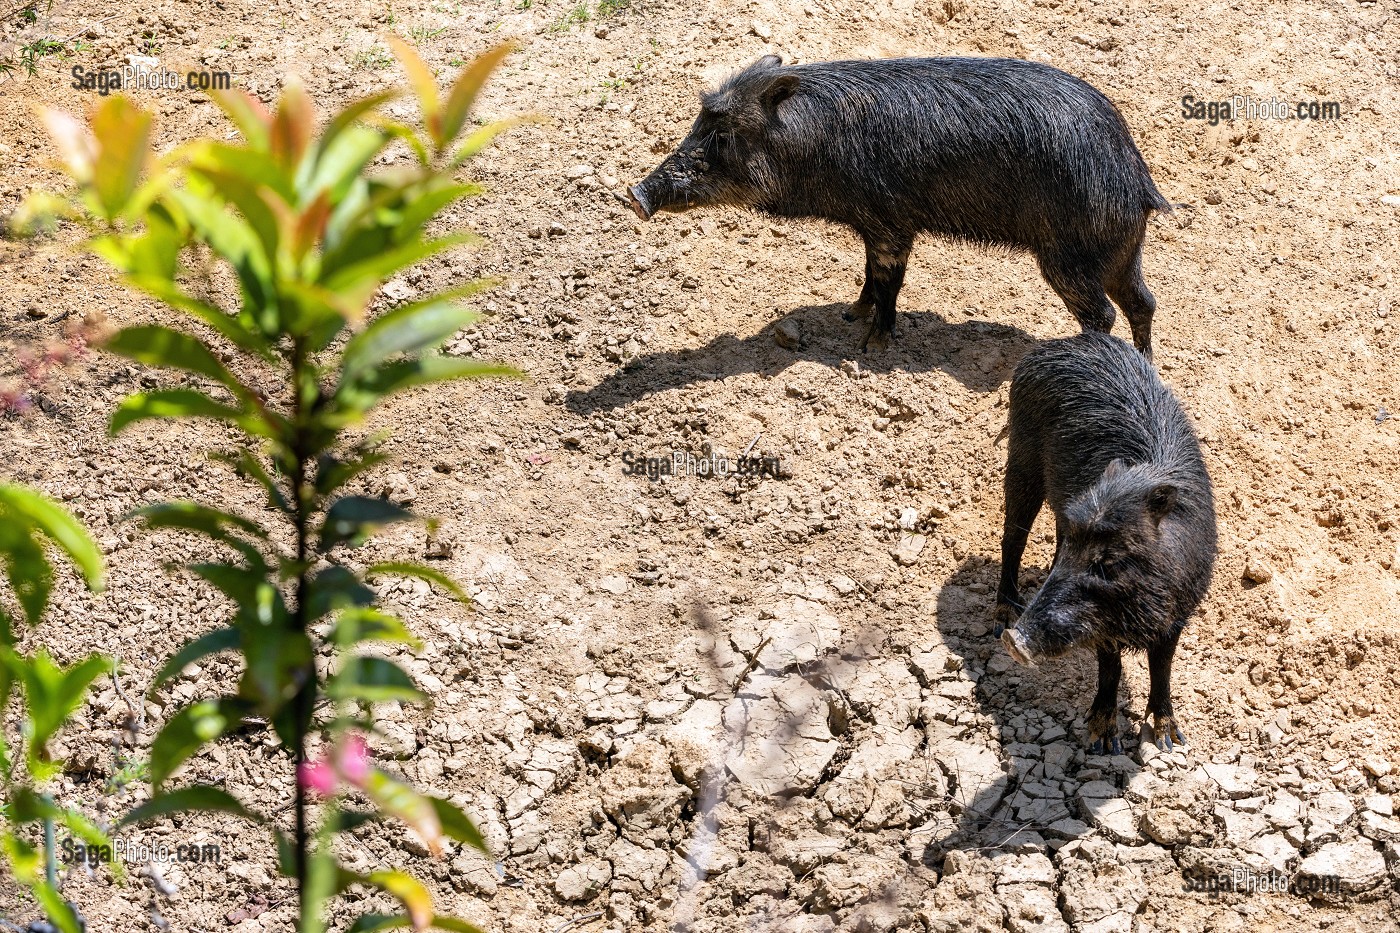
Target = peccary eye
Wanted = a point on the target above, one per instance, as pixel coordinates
(1103, 568)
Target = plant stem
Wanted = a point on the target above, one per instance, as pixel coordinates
(50, 868)
(305, 699)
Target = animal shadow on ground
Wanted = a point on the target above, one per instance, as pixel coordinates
(979, 354)
(1010, 795)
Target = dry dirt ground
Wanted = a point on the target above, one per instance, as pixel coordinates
(878, 764)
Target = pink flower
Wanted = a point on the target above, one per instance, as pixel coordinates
(348, 761)
(352, 760)
(318, 776)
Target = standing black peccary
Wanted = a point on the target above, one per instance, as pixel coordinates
(1094, 431)
(987, 150)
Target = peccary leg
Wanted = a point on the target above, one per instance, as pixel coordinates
(887, 261)
(1025, 492)
(1081, 290)
(865, 304)
(1128, 289)
(1103, 715)
(1159, 696)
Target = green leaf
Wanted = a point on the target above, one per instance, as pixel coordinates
(170, 403)
(221, 639)
(226, 325)
(29, 571)
(468, 85)
(409, 891)
(344, 121)
(195, 797)
(425, 205)
(247, 464)
(188, 730)
(408, 328)
(123, 132)
(419, 571)
(250, 199)
(192, 516)
(232, 238)
(332, 473)
(286, 854)
(59, 911)
(372, 923)
(60, 526)
(247, 113)
(279, 662)
(395, 376)
(365, 624)
(155, 345)
(335, 588)
(457, 825)
(421, 77)
(346, 820)
(213, 523)
(51, 695)
(481, 138)
(355, 518)
(373, 680)
(341, 162)
(381, 264)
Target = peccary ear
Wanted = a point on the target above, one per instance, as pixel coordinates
(1116, 467)
(1161, 500)
(777, 90)
(767, 61)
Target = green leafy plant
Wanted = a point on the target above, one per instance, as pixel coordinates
(310, 232)
(373, 58)
(421, 34)
(49, 694)
(576, 16)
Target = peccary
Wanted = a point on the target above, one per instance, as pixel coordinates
(987, 150)
(1094, 431)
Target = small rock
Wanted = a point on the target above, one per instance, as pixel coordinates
(909, 549)
(843, 584)
(582, 881)
(788, 741)
(788, 334)
(1376, 767)
(1285, 810)
(1275, 849)
(616, 584)
(694, 741)
(1256, 571)
(579, 171)
(1333, 807)
(1380, 828)
(1114, 816)
(1357, 866)
(1234, 782)
(761, 30)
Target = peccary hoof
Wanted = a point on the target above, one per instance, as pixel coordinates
(1165, 732)
(1114, 746)
(876, 338)
(858, 312)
